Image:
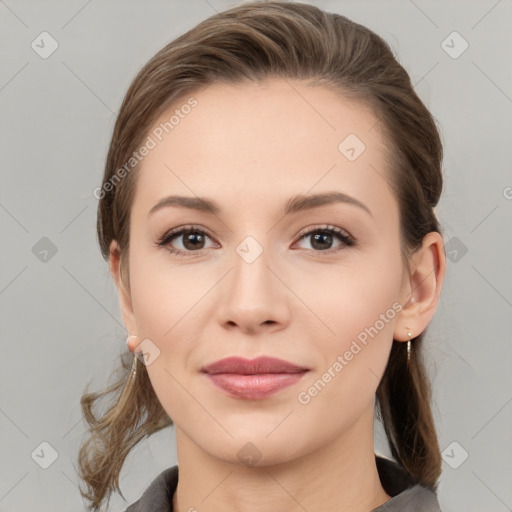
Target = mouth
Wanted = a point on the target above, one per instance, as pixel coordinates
(253, 379)
(260, 365)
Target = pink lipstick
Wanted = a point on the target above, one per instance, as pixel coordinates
(253, 379)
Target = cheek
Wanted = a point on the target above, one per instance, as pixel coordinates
(359, 306)
(163, 293)
(352, 297)
(172, 305)
(351, 362)
(164, 309)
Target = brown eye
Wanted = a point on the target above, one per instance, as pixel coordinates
(322, 239)
(193, 240)
(183, 241)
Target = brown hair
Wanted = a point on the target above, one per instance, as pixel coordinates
(249, 43)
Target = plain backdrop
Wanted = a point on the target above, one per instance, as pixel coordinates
(60, 321)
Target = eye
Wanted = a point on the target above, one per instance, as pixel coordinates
(322, 238)
(191, 239)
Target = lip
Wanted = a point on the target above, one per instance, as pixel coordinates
(262, 364)
(253, 379)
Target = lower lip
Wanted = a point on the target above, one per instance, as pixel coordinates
(254, 387)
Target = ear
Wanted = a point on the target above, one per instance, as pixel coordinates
(421, 288)
(123, 292)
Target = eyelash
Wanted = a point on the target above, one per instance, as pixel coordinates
(343, 236)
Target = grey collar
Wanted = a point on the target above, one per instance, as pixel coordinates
(406, 494)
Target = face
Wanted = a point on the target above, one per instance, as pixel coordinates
(319, 286)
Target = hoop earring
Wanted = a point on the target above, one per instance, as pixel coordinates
(134, 364)
(134, 367)
(409, 347)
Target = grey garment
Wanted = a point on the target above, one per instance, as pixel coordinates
(406, 494)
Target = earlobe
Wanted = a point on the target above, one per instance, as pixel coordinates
(114, 261)
(423, 287)
(123, 294)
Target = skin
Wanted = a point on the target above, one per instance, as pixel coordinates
(250, 148)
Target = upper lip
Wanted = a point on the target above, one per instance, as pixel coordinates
(263, 364)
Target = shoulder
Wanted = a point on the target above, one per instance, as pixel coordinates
(159, 494)
(416, 498)
(406, 494)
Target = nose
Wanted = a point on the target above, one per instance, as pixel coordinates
(252, 296)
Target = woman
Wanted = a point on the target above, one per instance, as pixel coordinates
(267, 211)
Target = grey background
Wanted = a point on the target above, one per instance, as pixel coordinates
(60, 323)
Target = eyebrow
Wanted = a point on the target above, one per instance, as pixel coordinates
(295, 204)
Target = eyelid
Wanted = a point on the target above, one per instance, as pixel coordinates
(325, 227)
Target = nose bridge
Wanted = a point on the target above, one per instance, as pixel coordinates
(252, 294)
(251, 277)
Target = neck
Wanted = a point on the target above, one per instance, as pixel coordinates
(340, 475)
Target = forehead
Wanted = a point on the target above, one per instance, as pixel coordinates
(248, 141)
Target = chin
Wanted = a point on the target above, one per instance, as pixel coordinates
(257, 449)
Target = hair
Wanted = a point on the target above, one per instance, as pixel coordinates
(249, 43)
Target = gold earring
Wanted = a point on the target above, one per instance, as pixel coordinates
(134, 367)
(409, 333)
(134, 364)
